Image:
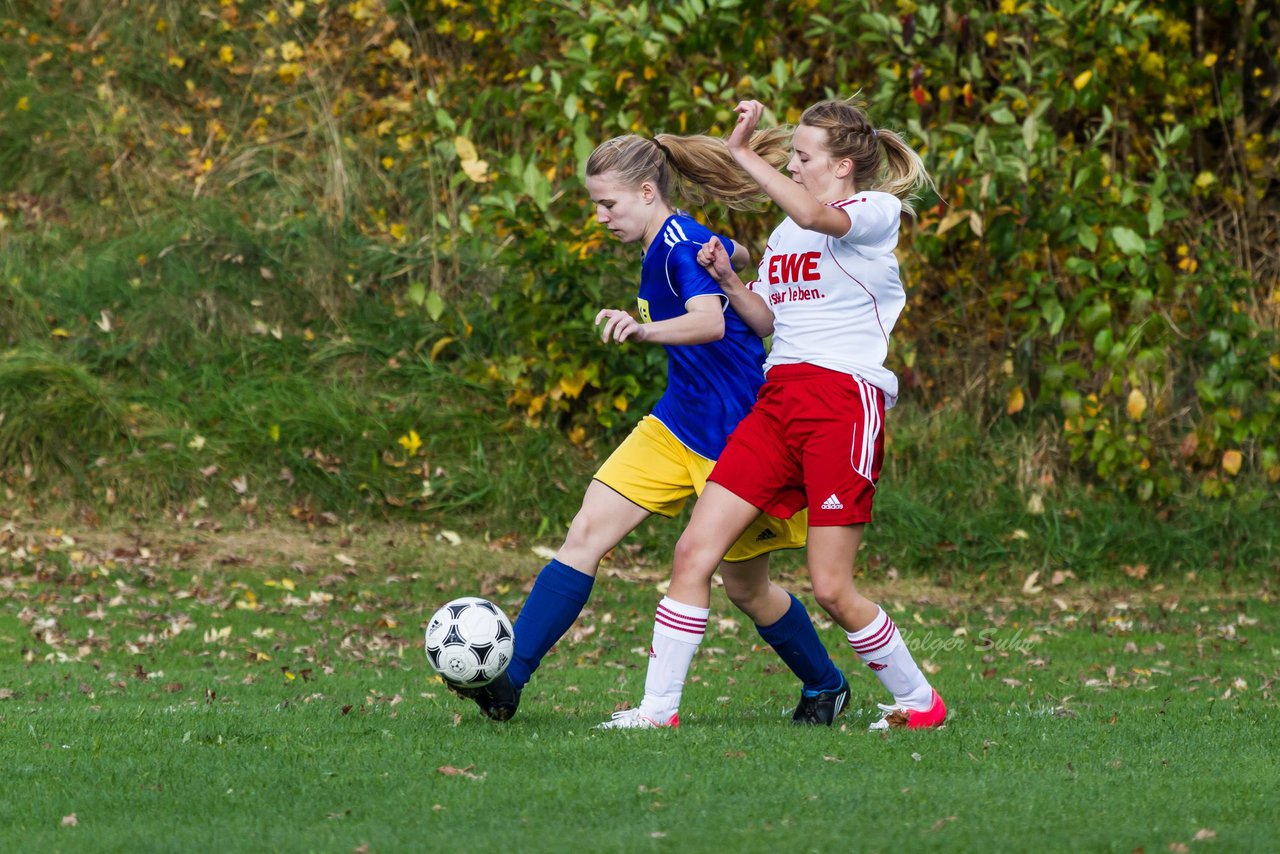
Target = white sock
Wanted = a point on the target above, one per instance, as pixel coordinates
(881, 646)
(677, 631)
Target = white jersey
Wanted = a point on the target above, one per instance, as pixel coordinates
(835, 300)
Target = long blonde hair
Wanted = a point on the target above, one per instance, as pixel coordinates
(882, 160)
(698, 169)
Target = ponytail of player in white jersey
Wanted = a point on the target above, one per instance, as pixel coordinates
(882, 160)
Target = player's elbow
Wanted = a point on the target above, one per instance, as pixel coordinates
(715, 328)
(808, 218)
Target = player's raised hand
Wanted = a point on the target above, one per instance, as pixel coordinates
(749, 113)
(619, 326)
(715, 259)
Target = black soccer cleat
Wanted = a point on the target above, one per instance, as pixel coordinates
(822, 708)
(498, 700)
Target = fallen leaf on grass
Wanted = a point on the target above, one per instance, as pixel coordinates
(450, 771)
(70, 820)
(1204, 833)
(1231, 462)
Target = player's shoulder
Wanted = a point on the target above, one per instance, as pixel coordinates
(683, 229)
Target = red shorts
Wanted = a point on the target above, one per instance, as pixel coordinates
(813, 439)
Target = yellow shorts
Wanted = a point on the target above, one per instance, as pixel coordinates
(653, 469)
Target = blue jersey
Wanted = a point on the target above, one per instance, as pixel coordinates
(709, 386)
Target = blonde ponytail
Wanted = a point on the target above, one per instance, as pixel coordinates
(904, 171)
(882, 160)
(707, 172)
(695, 169)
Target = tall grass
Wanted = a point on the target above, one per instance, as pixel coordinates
(51, 409)
(965, 501)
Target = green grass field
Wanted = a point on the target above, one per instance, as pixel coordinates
(248, 690)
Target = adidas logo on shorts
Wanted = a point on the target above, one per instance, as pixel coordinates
(832, 503)
(766, 534)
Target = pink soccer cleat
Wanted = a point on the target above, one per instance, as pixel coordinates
(900, 717)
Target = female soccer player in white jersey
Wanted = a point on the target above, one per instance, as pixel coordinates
(829, 293)
(714, 369)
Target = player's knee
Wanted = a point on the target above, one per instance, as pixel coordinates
(745, 594)
(579, 531)
(694, 558)
(831, 594)
(586, 537)
(840, 598)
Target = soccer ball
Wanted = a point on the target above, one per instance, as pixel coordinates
(470, 642)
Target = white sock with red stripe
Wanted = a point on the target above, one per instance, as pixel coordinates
(677, 631)
(881, 646)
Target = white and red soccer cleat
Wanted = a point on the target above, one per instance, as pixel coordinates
(635, 719)
(900, 717)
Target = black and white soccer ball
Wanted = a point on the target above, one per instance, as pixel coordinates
(470, 642)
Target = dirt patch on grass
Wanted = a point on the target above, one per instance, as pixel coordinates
(394, 547)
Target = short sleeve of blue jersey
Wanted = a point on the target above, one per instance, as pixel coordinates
(694, 279)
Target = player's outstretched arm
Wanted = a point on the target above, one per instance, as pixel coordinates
(805, 210)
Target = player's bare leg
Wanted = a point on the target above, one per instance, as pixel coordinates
(559, 593)
(718, 519)
(871, 632)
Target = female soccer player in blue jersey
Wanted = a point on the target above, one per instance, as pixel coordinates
(714, 369)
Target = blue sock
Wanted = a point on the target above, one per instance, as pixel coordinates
(558, 596)
(797, 643)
